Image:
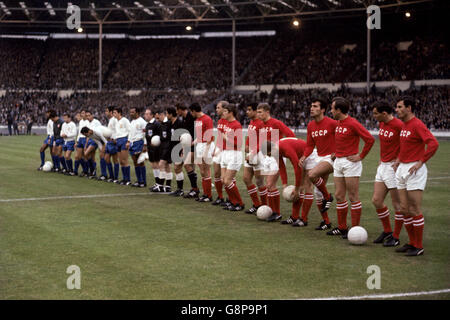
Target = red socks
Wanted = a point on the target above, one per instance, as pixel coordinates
(219, 187)
(398, 224)
(263, 195)
(408, 223)
(320, 184)
(307, 203)
(418, 224)
(383, 215)
(342, 208)
(233, 194)
(296, 207)
(253, 193)
(356, 213)
(206, 185)
(274, 200)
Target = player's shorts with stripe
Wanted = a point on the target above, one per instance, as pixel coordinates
(166, 152)
(231, 160)
(49, 140)
(59, 142)
(136, 147)
(121, 144)
(205, 152)
(311, 161)
(81, 142)
(111, 148)
(69, 146)
(256, 162)
(415, 181)
(346, 168)
(386, 174)
(92, 143)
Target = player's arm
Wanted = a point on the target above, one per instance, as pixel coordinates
(285, 131)
(432, 146)
(368, 139)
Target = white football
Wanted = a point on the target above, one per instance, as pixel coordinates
(357, 235)
(263, 212)
(186, 139)
(288, 193)
(156, 141)
(47, 166)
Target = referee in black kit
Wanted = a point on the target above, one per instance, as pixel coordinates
(188, 123)
(153, 128)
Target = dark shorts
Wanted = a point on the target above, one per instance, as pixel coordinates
(49, 140)
(69, 146)
(59, 142)
(111, 148)
(166, 152)
(92, 143)
(154, 154)
(121, 144)
(81, 143)
(136, 147)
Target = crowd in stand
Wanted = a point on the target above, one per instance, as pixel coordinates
(206, 63)
(292, 107)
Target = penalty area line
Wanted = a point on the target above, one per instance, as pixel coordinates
(385, 296)
(86, 196)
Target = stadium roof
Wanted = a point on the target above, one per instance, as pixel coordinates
(30, 15)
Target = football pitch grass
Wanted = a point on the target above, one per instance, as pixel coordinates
(151, 246)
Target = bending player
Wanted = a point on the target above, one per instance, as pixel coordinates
(273, 130)
(411, 173)
(389, 136)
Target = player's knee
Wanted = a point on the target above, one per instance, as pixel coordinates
(377, 201)
(247, 180)
(312, 176)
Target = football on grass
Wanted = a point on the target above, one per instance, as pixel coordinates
(357, 235)
(263, 212)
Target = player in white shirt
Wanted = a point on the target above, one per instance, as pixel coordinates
(48, 141)
(111, 149)
(138, 144)
(91, 146)
(123, 128)
(80, 145)
(69, 133)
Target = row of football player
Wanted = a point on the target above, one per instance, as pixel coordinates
(332, 147)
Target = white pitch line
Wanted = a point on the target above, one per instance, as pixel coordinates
(81, 196)
(385, 296)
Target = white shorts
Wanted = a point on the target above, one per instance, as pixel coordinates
(386, 174)
(256, 163)
(326, 158)
(202, 153)
(217, 156)
(231, 160)
(346, 168)
(311, 161)
(270, 166)
(416, 181)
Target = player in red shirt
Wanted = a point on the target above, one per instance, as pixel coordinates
(348, 164)
(389, 136)
(218, 183)
(272, 131)
(320, 135)
(411, 172)
(254, 161)
(231, 157)
(204, 148)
